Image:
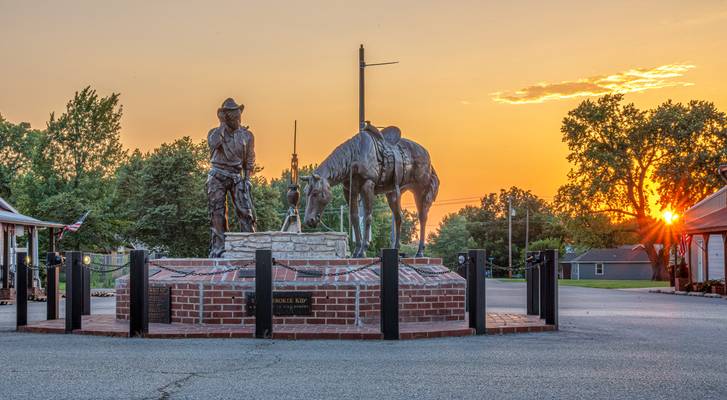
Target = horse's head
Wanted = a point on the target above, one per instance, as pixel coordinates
(318, 195)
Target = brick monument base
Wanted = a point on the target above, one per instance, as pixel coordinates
(351, 299)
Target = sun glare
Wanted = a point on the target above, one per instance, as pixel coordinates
(669, 217)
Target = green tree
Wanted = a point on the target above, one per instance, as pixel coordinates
(71, 170)
(162, 197)
(16, 147)
(488, 223)
(621, 157)
(85, 139)
(451, 237)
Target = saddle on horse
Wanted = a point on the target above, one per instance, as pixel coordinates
(394, 160)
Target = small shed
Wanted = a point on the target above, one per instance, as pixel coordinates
(629, 262)
(13, 224)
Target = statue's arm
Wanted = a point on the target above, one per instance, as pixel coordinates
(214, 138)
(250, 154)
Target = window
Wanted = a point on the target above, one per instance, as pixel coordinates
(599, 269)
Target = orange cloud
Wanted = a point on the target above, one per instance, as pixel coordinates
(633, 80)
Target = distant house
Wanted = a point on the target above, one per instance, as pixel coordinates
(625, 262)
(566, 265)
(705, 225)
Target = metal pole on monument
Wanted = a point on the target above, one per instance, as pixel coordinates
(551, 284)
(476, 292)
(138, 293)
(542, 287)
(51, 284)
(74, 291)
(532, 260)
(86, 278)
(263, 294)
(390, 294)
(463, 270)
(21, 285)
(509, 237)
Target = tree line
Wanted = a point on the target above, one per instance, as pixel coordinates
(627, 164)
(155, 199)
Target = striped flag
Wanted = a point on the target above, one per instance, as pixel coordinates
(74, 226)
(684, 242)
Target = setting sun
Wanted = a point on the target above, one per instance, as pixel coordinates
(669, 216)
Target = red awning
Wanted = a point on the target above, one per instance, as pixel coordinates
(715, 222)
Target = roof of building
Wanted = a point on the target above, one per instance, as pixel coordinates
(623, 254)
(715, 222)
(9, 215)
(568, 257)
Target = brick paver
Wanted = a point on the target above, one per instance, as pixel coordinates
(107, 325)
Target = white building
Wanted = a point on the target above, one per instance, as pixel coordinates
(14, 225)
(706, 224)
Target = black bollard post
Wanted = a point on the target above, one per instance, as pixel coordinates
(263, 294)
(21, 290)
(51, 285)
(476, 291)
(74, 295)
(462, 270)
(533, 283)
(138, 293)
(6, 257)
(390, 294)
(551, 287)
(86, 307)
(542, 290)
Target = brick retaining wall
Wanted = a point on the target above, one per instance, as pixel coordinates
(352, 298)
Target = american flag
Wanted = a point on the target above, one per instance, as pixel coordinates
(684, 242)
(74, 226)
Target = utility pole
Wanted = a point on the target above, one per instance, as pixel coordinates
(527, 229)
(361, 88)
(362, 120)
(509, 237)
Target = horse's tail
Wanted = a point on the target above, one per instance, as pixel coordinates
(433, 189)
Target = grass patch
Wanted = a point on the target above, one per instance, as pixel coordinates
(604, 284)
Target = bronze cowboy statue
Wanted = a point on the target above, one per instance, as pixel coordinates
(232, 155)
(370, 163)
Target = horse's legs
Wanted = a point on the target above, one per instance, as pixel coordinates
(422, 211)
(353, 216)
(367, 191)
(394, 199)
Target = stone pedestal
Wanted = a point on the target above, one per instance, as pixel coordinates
(287, 245)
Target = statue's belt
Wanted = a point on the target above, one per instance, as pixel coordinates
(236, 177)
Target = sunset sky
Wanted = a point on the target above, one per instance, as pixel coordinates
(483, 86)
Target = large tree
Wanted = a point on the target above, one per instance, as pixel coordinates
(621, 157)
(71, 170)
(16, 147)
(161, 196)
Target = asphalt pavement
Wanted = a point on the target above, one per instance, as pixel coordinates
(612, 344)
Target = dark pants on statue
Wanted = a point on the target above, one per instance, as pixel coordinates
(219, 183)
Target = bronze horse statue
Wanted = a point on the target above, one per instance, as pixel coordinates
(370, 163)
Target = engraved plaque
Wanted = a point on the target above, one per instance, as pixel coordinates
(285, 303)
(159, 304)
